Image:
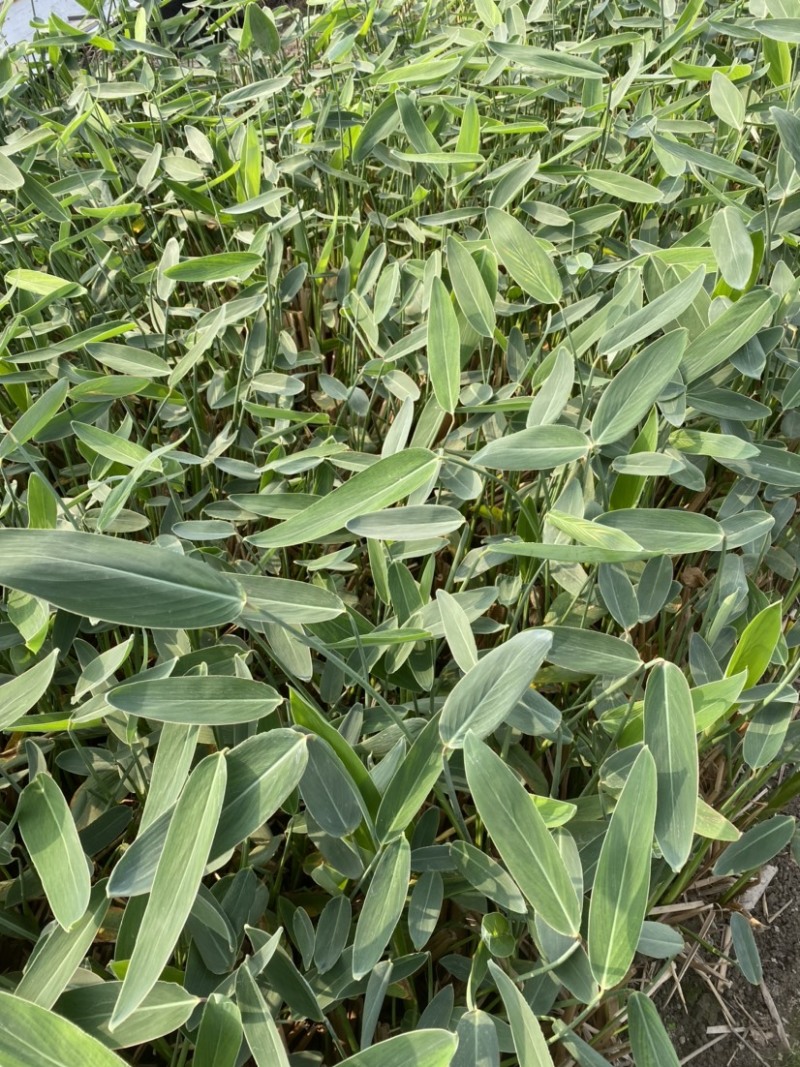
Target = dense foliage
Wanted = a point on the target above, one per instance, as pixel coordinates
(400, 405)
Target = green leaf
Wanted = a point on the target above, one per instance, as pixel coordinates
(788, 126)
(38, 415)
(477, 1041)
(728, 333)
(379, 486)
(728, 105)
(444, 348)
(487, 876)
(659, 941)
(40, 283)
(22, 693)
(632, 391)
(482, 700)
(470, 289)
(524, 257)
(529, 1043)
(407, 524)
(547, 64)
(117, 581)
(165, 1008)
(618, 595)
(521, 838)
(622, 881)
(220, 1035)
(539, 448)
(756, 846)
(31, 1036)
(51, 838)
(623, 186)
(422, 1048)
(383, 906)
(328, 791)
(666, 531)
(649, 1039)
(222, 267)
(411, 783)
(744, 945)
(260, 30)
(593, 652)
(128, 359)
(43, 200)
(53, 966)
(549, 403)
(259, 1029)
(333, 932)
(712, 825)
(289, 602)
(710, 161)
(425, 908)
(669, 733)
(730, 241)
(457, 630)
(178, 876)
(757, 644)
(775, 466)
(381, 123)
(310, 718)
(195, 700)
(262, 772)
(11, 177)
(766, 733)
(656, 315)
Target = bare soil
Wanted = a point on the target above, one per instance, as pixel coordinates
(728, 1022)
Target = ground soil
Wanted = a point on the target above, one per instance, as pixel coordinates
(758, 1032)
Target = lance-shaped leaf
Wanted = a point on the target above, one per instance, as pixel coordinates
(379, 486)
(178, 876)
(51, 838)
(22, 693)
(57, 958)
(529, 1043)
(470, 289)
(422, 1048)
(259, 1029)
(196, 700)
(383, 906)
(444, 348)
(649, 1039)
(622, 880)
(756, 645)
(165, 1008)
(411, 782)
(522, 838)
(539, 448)
(524, 257)
(32, 1036)
(490, 690)
(633, 390)
(670, 734)
(117, 581)
(220, 1035)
